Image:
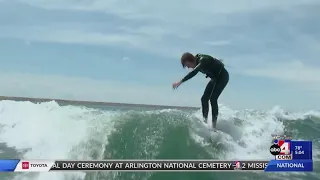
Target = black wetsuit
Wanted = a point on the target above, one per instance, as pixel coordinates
(214, 69)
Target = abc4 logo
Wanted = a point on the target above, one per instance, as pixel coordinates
(275, 149)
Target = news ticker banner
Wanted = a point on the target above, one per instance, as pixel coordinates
(11, 165)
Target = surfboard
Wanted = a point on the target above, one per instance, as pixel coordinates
(206, 131)
(208, 126)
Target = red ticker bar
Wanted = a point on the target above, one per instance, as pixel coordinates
(158, 165)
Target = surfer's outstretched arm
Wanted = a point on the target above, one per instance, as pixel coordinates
(192, 73)
(188, 60)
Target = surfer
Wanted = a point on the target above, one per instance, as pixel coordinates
(219, 78)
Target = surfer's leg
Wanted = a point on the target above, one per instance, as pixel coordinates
(219, 87)
(205, 99)
(215, 112)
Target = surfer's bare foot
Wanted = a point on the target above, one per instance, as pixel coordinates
(205, 120)
(214, 125)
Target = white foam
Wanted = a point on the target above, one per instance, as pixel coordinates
(250, 130)
(50, 131)
(280, 113)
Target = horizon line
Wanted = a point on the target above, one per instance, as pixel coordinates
(69, 101)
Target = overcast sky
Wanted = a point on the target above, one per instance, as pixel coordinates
(128, 51)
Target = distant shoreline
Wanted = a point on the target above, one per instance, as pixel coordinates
(74, 102)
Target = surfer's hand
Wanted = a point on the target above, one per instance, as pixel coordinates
(176, 85)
